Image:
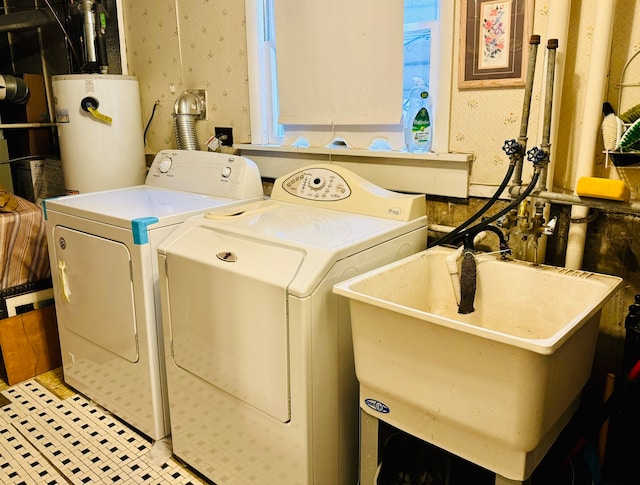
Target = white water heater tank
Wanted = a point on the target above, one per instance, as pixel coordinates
(100, 131)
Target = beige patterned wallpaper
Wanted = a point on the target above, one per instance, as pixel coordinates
(174, 45)
(483, 119)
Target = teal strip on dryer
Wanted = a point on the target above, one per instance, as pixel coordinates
(139, 229)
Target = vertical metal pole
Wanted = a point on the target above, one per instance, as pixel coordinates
(89, 28)
(534, 41)
(552, 47)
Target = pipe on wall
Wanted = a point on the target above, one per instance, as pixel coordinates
(616, 207)
(592, 119)
(557, 28)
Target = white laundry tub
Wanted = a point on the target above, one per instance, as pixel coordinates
(495, 386)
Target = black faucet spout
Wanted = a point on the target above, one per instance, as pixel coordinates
(468, 270)
(467, 278)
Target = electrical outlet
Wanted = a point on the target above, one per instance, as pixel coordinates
(225, 135)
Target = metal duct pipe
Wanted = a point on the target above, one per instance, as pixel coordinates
(187, 107)
(13, 89)
(89, 28)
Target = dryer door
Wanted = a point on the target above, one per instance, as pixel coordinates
(95, 289)
(228, 315)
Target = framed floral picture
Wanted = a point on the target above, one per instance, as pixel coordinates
(494, 43)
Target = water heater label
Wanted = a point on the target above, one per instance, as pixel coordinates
(377, 405)
(62, 115)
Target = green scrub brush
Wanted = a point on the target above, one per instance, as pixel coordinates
(631, 137)
(612, 129)
(631, 115)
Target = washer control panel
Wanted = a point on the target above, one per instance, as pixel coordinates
(335, 187)
(317, 184)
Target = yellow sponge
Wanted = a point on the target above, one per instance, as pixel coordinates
(603, 188)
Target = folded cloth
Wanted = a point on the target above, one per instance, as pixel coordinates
(24, 256)
(8, 201)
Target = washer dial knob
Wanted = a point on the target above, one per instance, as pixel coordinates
(165, 165)
(317, 182)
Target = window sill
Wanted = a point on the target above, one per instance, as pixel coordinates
(444, 174)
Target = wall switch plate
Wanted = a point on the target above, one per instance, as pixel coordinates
(225, 135)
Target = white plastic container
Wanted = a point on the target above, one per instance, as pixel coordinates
(101, 148)
(418, 119)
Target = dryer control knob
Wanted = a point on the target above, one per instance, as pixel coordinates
(165, 165)
(226, 172)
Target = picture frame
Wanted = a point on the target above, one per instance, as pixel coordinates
(494, 39)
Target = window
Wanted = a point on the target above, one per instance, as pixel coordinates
(325, 100)
(420, 18)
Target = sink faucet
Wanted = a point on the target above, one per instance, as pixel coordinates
(467, 278)
(524, 230)
(468, 266)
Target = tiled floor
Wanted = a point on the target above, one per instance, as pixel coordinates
(60, 439)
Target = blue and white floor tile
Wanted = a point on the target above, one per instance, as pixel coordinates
(48, 440)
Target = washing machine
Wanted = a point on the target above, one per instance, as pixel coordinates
(262, 386)
(102, 248)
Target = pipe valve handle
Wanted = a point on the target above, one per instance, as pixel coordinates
(536, 155)
(90, 105)
(511, 147)
(89, 102)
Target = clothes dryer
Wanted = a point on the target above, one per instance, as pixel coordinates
(102, 248)
(262, 386)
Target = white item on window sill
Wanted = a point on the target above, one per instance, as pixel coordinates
(444, 174)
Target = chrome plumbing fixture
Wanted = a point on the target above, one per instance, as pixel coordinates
(550, 228)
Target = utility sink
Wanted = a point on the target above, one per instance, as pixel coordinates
(495, 386)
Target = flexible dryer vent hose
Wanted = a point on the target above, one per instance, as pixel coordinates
(13, 89)
(185, 110)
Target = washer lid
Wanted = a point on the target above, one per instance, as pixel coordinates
(302, 226)
(324, 236)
